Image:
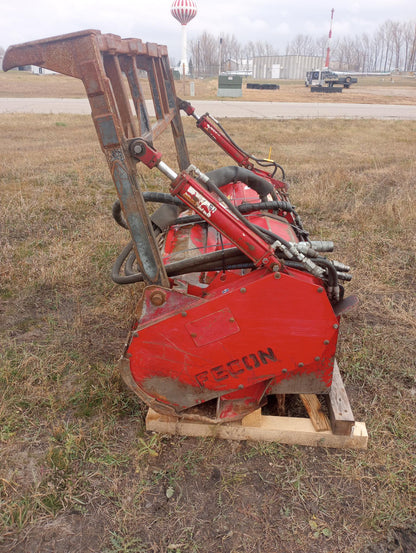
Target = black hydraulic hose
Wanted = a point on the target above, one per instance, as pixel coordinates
(242, 208)
(266, 206)
(212, 187)
(224, 175)
(162, 218)
(118, 217)
(115, 272)
(332, 272)
(182, 267)
(262, 187)
(193, 264)
(220, 177)
(129, 266)
(229, 259)
(162, 198)
(262, 162)
(331, 278)
(271, 235)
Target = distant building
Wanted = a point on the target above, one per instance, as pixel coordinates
(30, 69)
(284, 67)
(238, 67)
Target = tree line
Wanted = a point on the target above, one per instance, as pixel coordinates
(210, 55)
(392, 47)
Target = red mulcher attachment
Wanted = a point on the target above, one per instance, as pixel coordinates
(239, 303)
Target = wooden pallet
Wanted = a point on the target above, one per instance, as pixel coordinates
(341, 431)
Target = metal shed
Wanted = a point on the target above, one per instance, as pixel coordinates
(284, 67)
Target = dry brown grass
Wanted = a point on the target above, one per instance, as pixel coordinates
(369, 90)
(77, 471)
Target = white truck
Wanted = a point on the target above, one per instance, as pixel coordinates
(324, 77)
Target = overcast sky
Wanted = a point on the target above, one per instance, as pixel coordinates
(275, 21)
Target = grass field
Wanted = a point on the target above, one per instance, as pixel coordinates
(79, 473)
(400, 89)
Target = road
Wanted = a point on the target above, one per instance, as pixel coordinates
(219, 108)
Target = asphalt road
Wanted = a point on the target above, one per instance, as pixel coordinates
(224, 108)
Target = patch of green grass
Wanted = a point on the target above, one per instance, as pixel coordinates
(124, 544)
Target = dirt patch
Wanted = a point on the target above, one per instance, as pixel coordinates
(68, 533)
(400, 540)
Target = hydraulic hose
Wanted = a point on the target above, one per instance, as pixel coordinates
(242, 208)
(228, 259)
(117, 215)
(212, 187)
(261, 162)
(162, 218)
(224, 175)
(333, 286)
(194, 264)
(168, 213)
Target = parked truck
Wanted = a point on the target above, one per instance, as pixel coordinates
(324, 77)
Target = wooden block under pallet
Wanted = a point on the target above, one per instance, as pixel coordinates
(260, 428)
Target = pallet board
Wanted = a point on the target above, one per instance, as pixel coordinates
(314, 409)
(340, 412)
(341, 432)
(260, 428)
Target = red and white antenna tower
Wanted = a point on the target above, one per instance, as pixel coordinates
(329, 40)
(184, 11)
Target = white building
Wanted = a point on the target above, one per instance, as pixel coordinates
(284, 67)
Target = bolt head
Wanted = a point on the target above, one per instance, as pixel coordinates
(157, 298)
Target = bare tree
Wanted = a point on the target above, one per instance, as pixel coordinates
(230, 52)
(301, 45)
(392, 46)
(204, 53)
(212, 54)
(409, 44)
(259, 48)
(397, 32)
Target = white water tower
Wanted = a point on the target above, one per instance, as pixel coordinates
(184, 11)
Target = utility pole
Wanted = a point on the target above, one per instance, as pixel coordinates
(329, 40)
(220, 57)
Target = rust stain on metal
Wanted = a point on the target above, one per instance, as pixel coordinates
(103, 62)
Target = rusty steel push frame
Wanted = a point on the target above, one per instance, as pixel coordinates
(109, 68)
